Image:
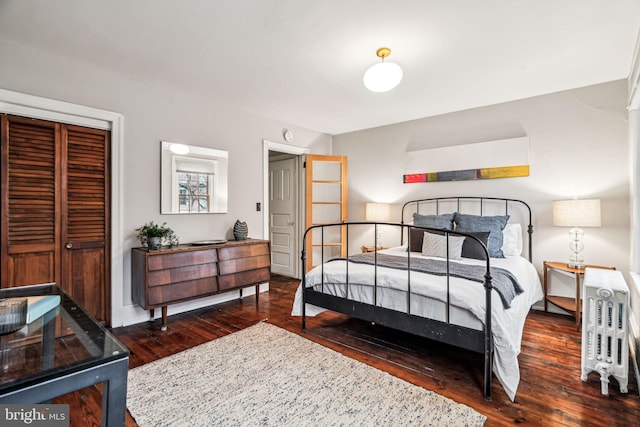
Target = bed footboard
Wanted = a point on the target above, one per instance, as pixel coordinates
(478, 340)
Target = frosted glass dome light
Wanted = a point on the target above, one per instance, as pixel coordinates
(384, 76)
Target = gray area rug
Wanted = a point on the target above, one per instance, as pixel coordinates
(266, 376)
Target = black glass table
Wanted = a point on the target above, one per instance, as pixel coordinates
(60, 352)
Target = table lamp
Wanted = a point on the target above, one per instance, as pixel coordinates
(377, 212)
(576, 213)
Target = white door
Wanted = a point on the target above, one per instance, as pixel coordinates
(282, 215)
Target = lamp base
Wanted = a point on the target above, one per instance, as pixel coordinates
(376, 242)
(576, 265)
(576, 260)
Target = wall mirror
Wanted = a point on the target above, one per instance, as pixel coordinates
(194, 179)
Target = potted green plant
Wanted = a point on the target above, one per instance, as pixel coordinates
(153, 235)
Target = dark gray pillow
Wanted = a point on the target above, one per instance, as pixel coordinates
(415, 242)
(443, 221)
(493, 224)
(472, 249)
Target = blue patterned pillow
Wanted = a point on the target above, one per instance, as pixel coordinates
(493, 224)
(443, 222)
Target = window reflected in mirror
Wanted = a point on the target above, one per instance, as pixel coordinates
(194, 179)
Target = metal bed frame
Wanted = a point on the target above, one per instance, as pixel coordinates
(443, 331)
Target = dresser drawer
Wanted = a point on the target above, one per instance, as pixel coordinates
(181, 274)
(182, 291)
(244, 264)
(243, 251)
(245, 278)
(181, 259)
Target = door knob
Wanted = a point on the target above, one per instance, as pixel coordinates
(290, 223)
(69, 245)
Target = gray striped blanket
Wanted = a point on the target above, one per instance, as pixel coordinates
(504, 283)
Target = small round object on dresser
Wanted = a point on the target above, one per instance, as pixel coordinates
(240, 230)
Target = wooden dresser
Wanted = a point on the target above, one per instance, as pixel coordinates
(182, 273)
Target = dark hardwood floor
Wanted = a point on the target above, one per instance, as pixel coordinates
(550, 392)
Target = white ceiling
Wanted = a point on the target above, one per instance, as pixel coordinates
(302, 61)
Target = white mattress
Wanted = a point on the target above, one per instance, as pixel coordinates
(428, 299)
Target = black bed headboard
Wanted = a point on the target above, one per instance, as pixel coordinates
(472, 204)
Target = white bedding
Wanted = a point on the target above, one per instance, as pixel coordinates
(467, 299)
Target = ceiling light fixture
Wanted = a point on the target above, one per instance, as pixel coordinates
(384, 76)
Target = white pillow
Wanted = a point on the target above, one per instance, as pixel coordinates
(512, 240)
(435, 245)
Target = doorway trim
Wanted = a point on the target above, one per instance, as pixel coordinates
(289, 149)
(25, 105)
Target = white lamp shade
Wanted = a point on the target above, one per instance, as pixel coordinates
(382, 77)
(377, 212)
(576, 213)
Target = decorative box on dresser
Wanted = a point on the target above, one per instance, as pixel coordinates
(182, 273)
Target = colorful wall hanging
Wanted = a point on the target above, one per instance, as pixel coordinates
(506, 158)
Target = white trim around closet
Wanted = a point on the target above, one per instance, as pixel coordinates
(22, 104)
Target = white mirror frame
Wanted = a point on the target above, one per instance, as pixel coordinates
(172, 154)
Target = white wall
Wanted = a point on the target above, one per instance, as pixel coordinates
(579, 148)
(152, 114)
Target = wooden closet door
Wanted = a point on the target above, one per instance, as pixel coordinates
(30, 185)
(55, 209)
(85, 224)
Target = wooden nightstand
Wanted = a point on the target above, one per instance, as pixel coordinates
(370, 248)
(572, 305)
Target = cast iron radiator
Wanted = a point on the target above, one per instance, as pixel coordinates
(605, 327)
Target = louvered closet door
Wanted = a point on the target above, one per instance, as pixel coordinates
(30, 241)
(55, 209)
(85, 219)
